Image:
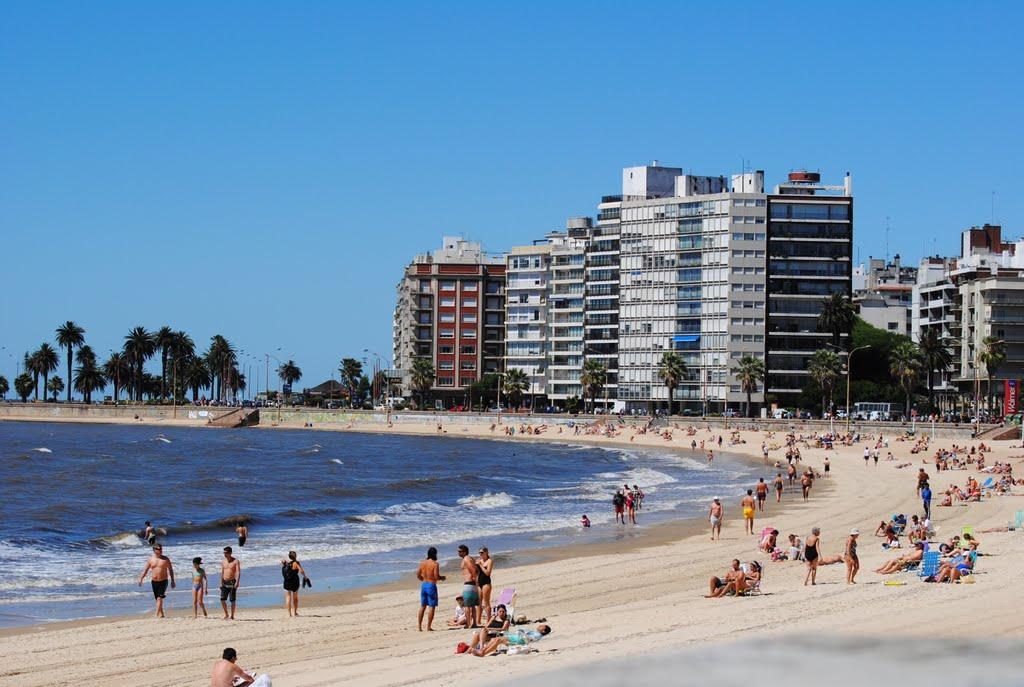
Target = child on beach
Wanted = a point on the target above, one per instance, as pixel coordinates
(460, 619)
(199, 587)
(585, 521)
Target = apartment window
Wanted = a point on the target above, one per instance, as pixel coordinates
(446, 381)
(447, 334)
(468, 302)
(469, 286)
(448, 302)
(446, 350)
(467, 381)
(468, 333)
(447, 286)
(445, 365)
(469, 317)
(447, 317)
(424, 286)
(467, 350)
(467, 365)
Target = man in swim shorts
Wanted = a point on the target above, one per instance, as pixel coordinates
(470, 591)
(715, 517)
(149, 534)
(779, 486)
(429, 574)
(762, 494)
(230, 581)
(243, 533)
(747, 504)
(160, 567)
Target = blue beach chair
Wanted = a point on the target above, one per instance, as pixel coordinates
(929, 564)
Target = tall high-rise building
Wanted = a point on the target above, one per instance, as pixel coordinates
(810, 242)
(450, 309)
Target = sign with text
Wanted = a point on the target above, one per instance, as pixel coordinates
(1011, 396)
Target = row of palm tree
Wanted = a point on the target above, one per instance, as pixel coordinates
(181, 364)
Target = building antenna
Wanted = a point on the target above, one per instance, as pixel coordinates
(993, 208)
(887, 239)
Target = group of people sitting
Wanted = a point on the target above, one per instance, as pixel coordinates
(957, 559)
(497, 635)
(738, 581)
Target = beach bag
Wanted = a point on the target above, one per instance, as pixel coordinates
(461, 648)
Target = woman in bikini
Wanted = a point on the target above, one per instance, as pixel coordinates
(484, 569)
(199, 587)
(811, 554)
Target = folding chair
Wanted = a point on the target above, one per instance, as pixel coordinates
(929, 564)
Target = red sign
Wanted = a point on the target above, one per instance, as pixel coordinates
(1011, 396)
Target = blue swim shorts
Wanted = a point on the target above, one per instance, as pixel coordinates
(428, 594)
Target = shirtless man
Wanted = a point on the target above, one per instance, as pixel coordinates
(715, 514)
(747, 504)
(149, 534)
(805, 485)
(470, 592)
(779, 486)
(243, 533)
(429, 574)
(762, 494)
(230, 581)
(226, 671)
(734, 581)
(160, 567)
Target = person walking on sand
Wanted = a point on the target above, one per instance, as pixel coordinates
(243, 533)
(200, 585)
(485, 567)
(290, 570)
(762, 494)
(805, 485)
(791, 474)
(429, 574)
(926, 500)
(827, 466)
(160, 568)
(747, 504)
(779, 486)
(850, 556)
(230, 581)
(867, 456)
(715, 514)
(470, 591)
(812, 552)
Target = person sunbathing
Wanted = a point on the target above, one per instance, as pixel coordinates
(514, 638)
(898, 564)
(734, 582)
(956, 568)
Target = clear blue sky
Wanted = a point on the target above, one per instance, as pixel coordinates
(265, 171)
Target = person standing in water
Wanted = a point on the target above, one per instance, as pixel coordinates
(429, 574)
(199, 587)
(149, 534)
(162, 571)
(485, 567)
(243, 533)
(290, 570)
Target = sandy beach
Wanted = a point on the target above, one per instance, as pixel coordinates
(639, 596)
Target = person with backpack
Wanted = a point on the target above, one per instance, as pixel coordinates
(291, 569)
(619, 502)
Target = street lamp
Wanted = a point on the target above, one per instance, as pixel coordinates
(849, 374)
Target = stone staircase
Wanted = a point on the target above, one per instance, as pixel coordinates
(237, 417)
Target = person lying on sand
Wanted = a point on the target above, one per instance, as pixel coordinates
(515, 638)
(899, 564)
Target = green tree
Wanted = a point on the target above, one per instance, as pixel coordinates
(484, 390)
(936, 357)
(24, 385)
(837, 317)
(289, 373)
(905, 366)
(422, 376)
(672, 370)
(118, 371)
(163, 339)
(69, 337)
(516, 382)
(182, 349)
(220, 358)
(992, 356)
(55, 386)
(4, 387)
(195, 375)
(351, 370)
(88, 377)
(824, 368)
(47, 361)
(139, 346)
(593, 378)
(749, 372)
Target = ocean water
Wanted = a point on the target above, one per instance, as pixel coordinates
(358, 508)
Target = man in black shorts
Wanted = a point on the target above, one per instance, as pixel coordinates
(230, 580)
(162, 573)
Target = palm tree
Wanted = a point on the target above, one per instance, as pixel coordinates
(182, 347)
(904, 366)
(422, 374)
(351, 370)
(23, 386)
(117, 371)
(837, 316)
(936, 358)
(85, 355)
(4, 387)
(593, 379)
(749, 372)
(47, 361)
(55, 386)
(993, 355)
(516, 382)
(139, 346)
(289, 373)
(220, 358)
(824, 368)
(164, 339)
(88, 377)
(196, 375)
(69, 337)
(672, 370)
(31, 365)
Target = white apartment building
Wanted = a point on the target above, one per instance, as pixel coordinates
(526, 300)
